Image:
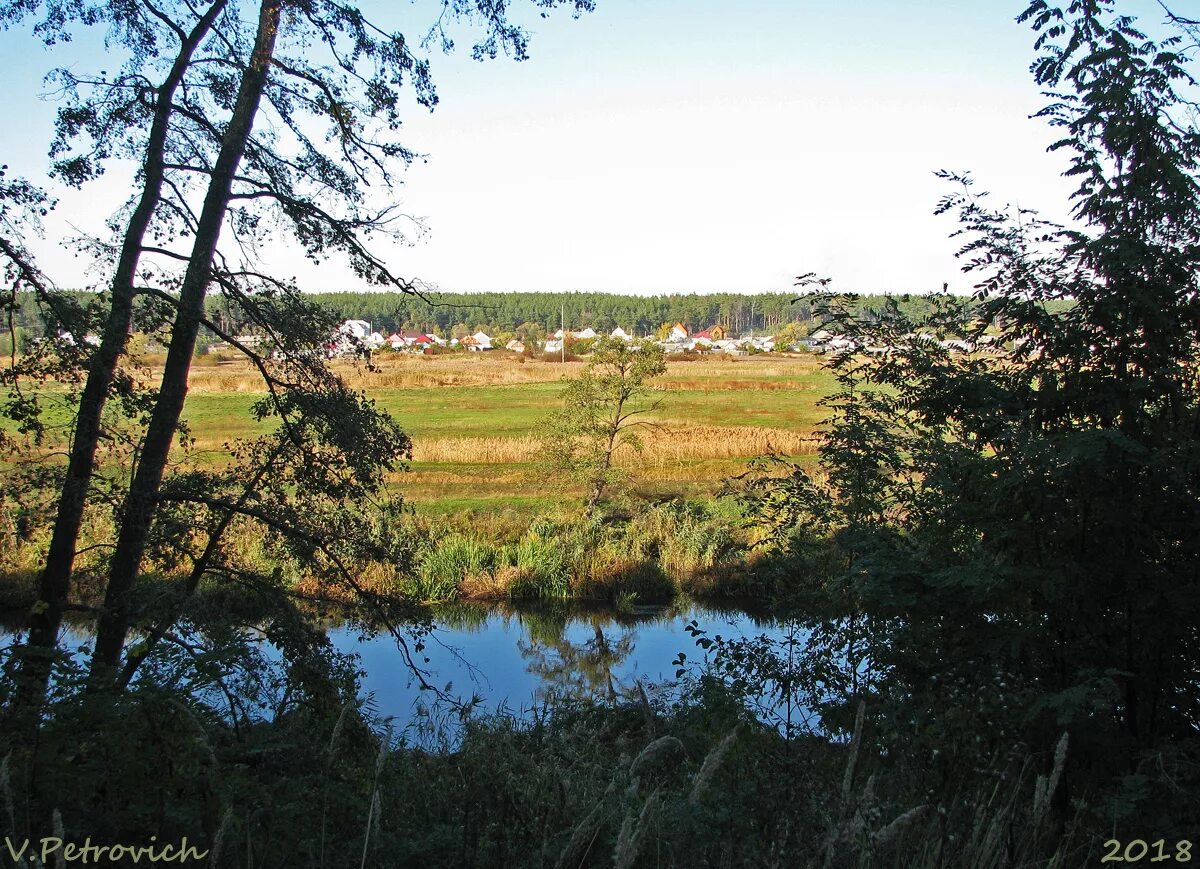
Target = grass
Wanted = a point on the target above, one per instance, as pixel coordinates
(474, 422)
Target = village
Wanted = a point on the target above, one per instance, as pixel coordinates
(355, 336)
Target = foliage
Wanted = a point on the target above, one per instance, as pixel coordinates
(247, 124)
(1010, 537)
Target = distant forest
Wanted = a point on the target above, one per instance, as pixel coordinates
(537, 313)
(640, 315)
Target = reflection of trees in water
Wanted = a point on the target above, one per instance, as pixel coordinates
(583, 668)
(574, 669)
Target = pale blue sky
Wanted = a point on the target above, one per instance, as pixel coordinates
(678, 145)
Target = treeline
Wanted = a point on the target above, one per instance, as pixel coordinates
(530, 313)
(508, 312)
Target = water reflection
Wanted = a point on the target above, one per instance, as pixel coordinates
(576, 669)
(518, 657)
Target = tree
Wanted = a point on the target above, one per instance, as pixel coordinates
(790, 334)
(185, 104)
(603, 413)
(1022, 530)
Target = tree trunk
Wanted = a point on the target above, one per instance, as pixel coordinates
(54, 583)
(141, 502)
(606, 464)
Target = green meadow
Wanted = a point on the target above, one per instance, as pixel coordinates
(475, 422)
(475, 444)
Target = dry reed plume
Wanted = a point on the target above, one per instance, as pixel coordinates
(405, 371)
(399, 371)
(660, 448)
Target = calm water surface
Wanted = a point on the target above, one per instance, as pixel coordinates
(514, 658)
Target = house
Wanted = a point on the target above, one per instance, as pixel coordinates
(90, 339)
(957, 346)
(404, 338)
(478, 342)
(515, 346)
(350, 337)
(678, 346)
(358, 329)
(678, 332)
(712, 334)
(583, 335)
(620, 333)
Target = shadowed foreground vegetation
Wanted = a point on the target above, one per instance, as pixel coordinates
(986, 575)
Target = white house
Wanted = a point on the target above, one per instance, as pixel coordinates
(587, 333)
(350, 335)
(553, 345)
(620, 333)
(359, 329)
(483, 340)
(677, 333)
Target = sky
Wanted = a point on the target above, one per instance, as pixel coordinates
(658, 146)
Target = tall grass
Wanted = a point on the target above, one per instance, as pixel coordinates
(541, 570)
(444, 566)
(229, 372)
(679, 442)
(650, 558)
(687, 540)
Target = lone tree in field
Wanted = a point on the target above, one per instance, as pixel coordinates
(603, 412)
(250, 123)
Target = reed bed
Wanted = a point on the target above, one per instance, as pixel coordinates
(733, 384)
(400, 371)
(405, 371)
(659, 448)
